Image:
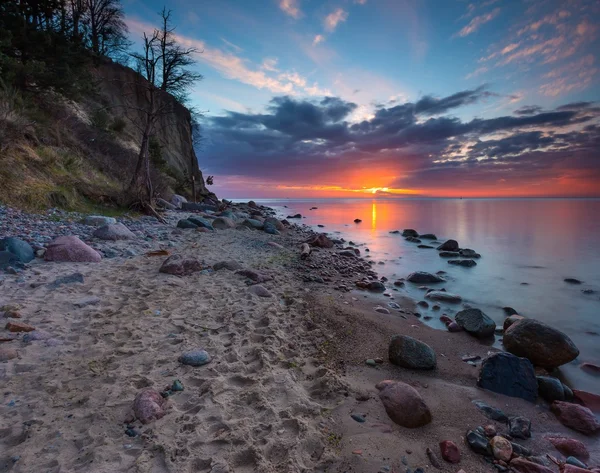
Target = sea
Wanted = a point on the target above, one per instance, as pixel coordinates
(528, 248)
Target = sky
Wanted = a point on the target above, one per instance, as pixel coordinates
(403, 98)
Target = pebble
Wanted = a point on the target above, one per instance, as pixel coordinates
(358, 417)
(197, 357)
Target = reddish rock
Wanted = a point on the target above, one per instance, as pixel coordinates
(520, 465)
(511, 319)
(569, 447)
(148, 406)
(202, 230)
(568, 468)
(7, 354)
(320, 241)
(13, 326)
(450, 451)
(591, 368)
(445, 319)
(589, 400)
(404, 404)
(490, 430)
(70, 248)
(454, 327)
(576, 417)
(180, 266)
(12, 314)
(501, 448)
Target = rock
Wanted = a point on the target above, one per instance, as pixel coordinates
(230, 265)
(399, 283)
(590, 368)
(476, 323)
(520, 465)
(508, 374)
(8, 260)
(114, 232)
(501, 448)
(543, 345)
(575, 462)
(411, 353)
(468, 253)
(198, 206)
(428, 236)
(576, 417)
(449, 245)
(375, 286)
(569, 447)
(519, 427)
(162, 203)
(444, 297)
(422, 277)
(260, 291)
(275, 222)
(86, 301)
(149, 405)
(202, 222)
(590, 400)
(432, 458)
(403, 404)
(196, 358)
(70, 279)
(478, 443)
(71, 249)
(253, 224)
(450, 451)
(490, 430)
(449, 254)
(98, 220)
(357, 220)
(423, 304)
(425, 247)
(7, 354)
(511, 319)
(413, 239)
(509, 311)
(223, 223)
(382, 310)
(185, 223)
(19, 248)
(14, 326)
(180, 266)
(295, 216)
(552, 389)
(255, 276)
(491, 412)
(454, 327)
(270, 229)
(570, 468)
(519, 449)
(320, 241)
(572, 281)
(409, 232)
(178, 200)
(465, 263)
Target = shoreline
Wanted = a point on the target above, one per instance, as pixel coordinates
(285, 374)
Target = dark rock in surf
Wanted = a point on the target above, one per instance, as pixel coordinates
(510, 375)
(422, 277)
(409, 232)
(465, 263)
(476, 323)
(449, 245)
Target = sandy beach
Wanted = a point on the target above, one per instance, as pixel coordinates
(287, 343)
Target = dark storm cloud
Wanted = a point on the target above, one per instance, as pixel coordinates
(301, 139)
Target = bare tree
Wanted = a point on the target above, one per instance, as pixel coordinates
(107, 28)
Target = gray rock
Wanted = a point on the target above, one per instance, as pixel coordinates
(196, 358)
(552, 389)
(19, 248)
(519, 427)
(411, 353)
(178, 200)
(98, 220)
(185, 223)
(510, 375)
(449, 245)
(114, 232)
(223, 223)
(201, 222)
(409, 232)
(270, 229)
(465, 263)
(422, 277)
(476, 323)
(252, 223)
(449, 254)
(7, 260)
(260, 291)
(428, 236)
(468, 253)
(491, 412)
(444, 297)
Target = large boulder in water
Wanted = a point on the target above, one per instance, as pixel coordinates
(510, 375)
(71, 249)
(409, 232)
(576, 417)
(403, 404)
(476, 323)
(114, 232)
(444, 296)
(422, 277)
(411, 353)
(543, 345)
(449, 245)
(19, 248)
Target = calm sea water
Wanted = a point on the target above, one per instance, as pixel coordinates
(528, 248)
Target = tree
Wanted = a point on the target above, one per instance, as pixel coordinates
(106, 24)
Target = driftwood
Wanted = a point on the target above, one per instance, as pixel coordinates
(304, 251)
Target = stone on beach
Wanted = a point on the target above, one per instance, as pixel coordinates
(444, 297)
(71, 249)
(14, 326)
(198, 357)
(476, 323)
(201, 222)
(491, 412)
(576, 417)
(520, 465)
(403, 404)
(569, 447)
(501, 448)
(114, 232)
(543, 345)
(508, 374)
(275, 222)
(450, 451)
(19, 248)
(479, 443)
(590, 400)
(511, 319)
(178, 200)
(422, 277)
(552, 389)
(180, 266)
(411, 353)
(185, 223)
(7, 354)
(98, 220)
(149, 405)
(255, 276)
(320, 241)
(270, 229)
(260, 291)
(230, 265)
(253, 224)
(519, 427)
(223, 223)
(449, 245)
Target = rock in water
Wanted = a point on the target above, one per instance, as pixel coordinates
(570, 447)
(197, 357)
(403, 404)
(444, 297)
(411, 353)
(148, 406)
(479, 443)
(501, 448)
(510, 375)
(449, 245)
(468, 253)
(223, 223)
(114, 232)
(552, 389)
(511, 319)
(19, 248)
(543, 345)
(519, 427)
(71, 249)
(450, 451)
(576, 417)
(98, 220)
(409, 232)
(422, 277)
(428, 236)
(476, 323)
(465, 263)
(180, 266)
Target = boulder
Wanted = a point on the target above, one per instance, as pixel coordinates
(468, 253)
(411, 353)
(178, 200)
(576, 417)
(71, 249)
(543, 345)
(98, 220)
(519, 427)
(253, 224)
(198, 357)
(422, 277)
(449, 254)
(149, 405)
(476, 323)
(569, 447)
(8, 259)
(320, 240)
(201, 222)
(180, 266)
(552, 389)
(444, 297)
(270, 229)
(428, 236)
(501, 448)
(114, 232)
(409, 232)
(450, 451)
(511, 319)
(185, 223)
(449, 245)
(375, 286)
(465, 263)
(275, 222)
(508, 374)
(479, 443)
(403, 404)
(223, 223)
(19, 248)
(520, 465)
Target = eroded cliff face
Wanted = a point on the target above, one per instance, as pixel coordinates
(124, 93)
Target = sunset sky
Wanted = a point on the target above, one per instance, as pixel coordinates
(340, 98)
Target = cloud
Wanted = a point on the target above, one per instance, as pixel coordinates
(318, 39)
(235, 47)
(291, 8)
(476, 72)
(529, 110)
(477, 22)
(337, 16)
